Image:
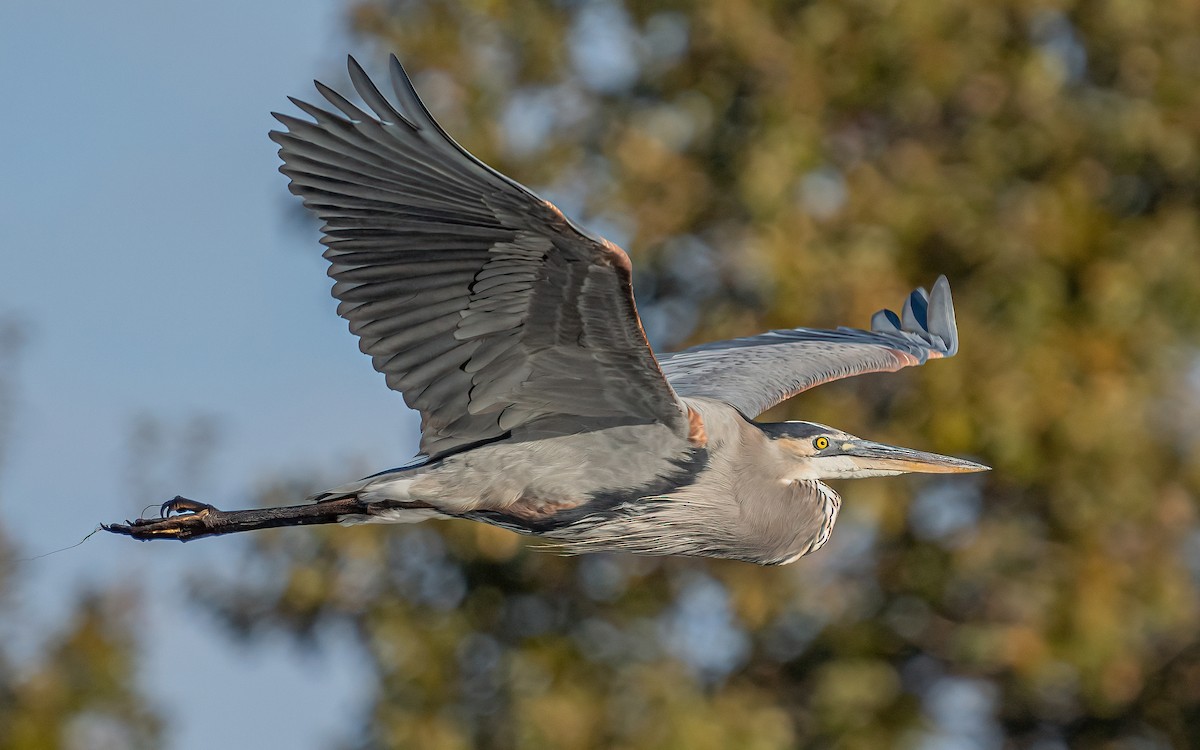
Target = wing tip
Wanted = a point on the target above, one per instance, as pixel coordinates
(395, 67)
(941, 316)
(926, 314)
(885, 321)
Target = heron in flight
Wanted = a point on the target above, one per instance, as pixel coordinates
(543, 409)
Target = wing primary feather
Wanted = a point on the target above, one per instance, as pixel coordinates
(312, 141)
(432, 155)
(402, 335)
(918, 306)
(322, 116)
(451, 275)
(400, 338)
(393, 291)
(323, 180)
(941, 316)
(373, 131)
(908, 316)
(342, 103)
(413, 282)
(407, 96)
(405, 229)
(413, 194)
(334, 133)
(423, 315)
(885, 321)
(410, 100)
(372, 96)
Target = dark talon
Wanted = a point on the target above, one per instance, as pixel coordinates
(179, 505)
(179, 518)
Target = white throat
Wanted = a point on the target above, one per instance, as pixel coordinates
(835, 467)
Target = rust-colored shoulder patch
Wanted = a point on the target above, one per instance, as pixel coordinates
(531, 508)
(609, 252)
(617, 257)
(697, 435)
(557, 216)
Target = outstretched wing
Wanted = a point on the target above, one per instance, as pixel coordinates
(480, 302)
(753, 374)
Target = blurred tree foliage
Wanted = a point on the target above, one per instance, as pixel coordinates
(778, 163)
(76, 690)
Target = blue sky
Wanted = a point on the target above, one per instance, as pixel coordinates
(149, 244)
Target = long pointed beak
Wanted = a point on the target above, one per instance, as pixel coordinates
(871, 456)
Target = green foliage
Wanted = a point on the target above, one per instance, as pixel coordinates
(78, 692)
(770, 164)
(77, 688)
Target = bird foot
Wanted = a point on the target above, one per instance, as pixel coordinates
(178, 505)
(183, 519)
(178, 518)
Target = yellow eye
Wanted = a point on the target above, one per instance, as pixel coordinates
(821, 443)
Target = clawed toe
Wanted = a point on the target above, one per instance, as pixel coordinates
(178, 518)
(179, 505)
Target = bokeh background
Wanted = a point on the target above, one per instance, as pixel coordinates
(165, 327)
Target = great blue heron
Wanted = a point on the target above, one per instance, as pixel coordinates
(543, 409)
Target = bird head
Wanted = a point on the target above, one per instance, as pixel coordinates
(815, 451)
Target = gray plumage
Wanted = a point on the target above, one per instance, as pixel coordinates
(753, 374)
(543, 410)
(480, 302)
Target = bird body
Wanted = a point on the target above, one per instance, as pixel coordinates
(515, 334)
(535, 479)
(744, 493)
(643, 489)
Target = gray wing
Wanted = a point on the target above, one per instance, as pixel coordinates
(753, 374)
(480, 302)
